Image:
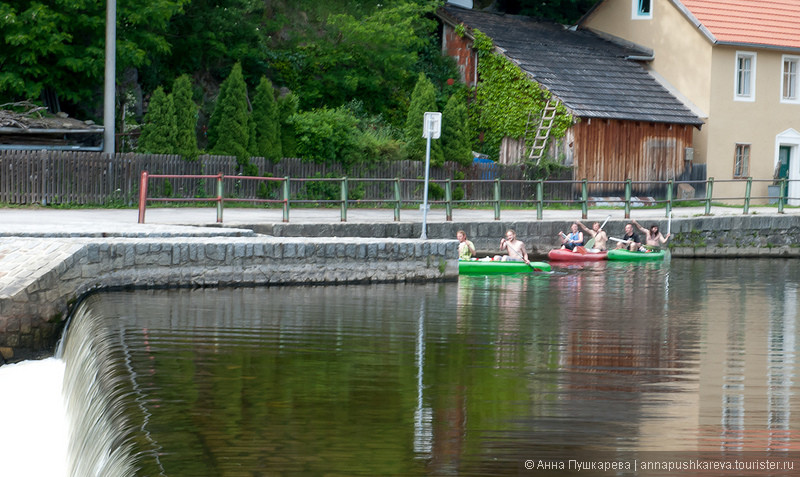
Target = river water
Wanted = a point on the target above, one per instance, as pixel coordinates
(686, 360)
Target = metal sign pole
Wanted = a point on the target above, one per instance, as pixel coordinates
(424, 235)
(431, 129)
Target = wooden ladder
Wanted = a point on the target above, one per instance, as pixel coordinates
(542, 133)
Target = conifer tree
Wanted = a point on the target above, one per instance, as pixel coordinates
(456, 134)
(423, 100)
(288, 105)
(231, 118)
(158, 131)
(185, 118)
(267, 121)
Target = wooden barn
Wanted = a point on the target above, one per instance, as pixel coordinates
(628, 125)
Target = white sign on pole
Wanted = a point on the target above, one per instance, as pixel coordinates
(432, 125)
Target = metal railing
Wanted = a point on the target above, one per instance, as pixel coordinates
(538, 200)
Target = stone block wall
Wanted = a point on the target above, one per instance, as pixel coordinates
(32, 316)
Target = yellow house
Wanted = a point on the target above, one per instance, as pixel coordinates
(735, 64)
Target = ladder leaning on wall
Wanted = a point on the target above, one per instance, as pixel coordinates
(541, 130)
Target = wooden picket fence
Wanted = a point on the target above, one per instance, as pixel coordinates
(96, 178)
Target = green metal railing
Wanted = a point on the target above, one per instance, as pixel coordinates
(538, 200)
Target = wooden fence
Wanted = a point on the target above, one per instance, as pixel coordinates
(95, 178)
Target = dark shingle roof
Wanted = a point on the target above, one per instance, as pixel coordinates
(593, 77)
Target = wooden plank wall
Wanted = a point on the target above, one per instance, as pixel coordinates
(95, 178)
(613, 150)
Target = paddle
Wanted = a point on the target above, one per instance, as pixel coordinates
(590, 242)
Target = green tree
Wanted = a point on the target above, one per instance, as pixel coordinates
(288, 105)
(423, 100)
(158, 132)
(327, 136)
(60, 46)
(267, 121)
(185, 118)
(209, 36)
(456, 132)
(230, 119)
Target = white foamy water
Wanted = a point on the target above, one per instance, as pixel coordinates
(34, 424)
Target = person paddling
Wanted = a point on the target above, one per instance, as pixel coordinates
(599, 235)
(466, 249)
(653, 237)
(516, 249)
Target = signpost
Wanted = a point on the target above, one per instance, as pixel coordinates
(431, 129)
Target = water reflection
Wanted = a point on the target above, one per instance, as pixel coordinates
(468, 378)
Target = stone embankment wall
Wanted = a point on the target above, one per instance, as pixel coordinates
(728, 236)
(52, 274)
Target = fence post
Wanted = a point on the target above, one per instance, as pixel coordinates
(782, 196)
(747, 189)
(219, 197)
(397, 199)
(344, 199)
(286, 199)
(142, 196)
(539, 198)
(628, 188)
(584, 200)
(709, 194)
(669, 197)
(497, 199)
(448, 200)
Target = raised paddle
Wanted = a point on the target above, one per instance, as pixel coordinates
(590, 242)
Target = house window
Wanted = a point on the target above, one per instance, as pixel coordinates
(741, 162)
(745, 77)
(642, 9)
(789, 79)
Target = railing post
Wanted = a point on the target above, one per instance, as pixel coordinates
(397, 199)
(782, 195)
(747, 189)
(344, 199)
(219, 197)
(448, 200)
(497, 199)
(709, 194)
(628, 187)
(669, 197)
(539, 198)
(142, 196)
(584, 200)
(286, 199)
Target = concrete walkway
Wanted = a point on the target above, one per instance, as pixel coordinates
(45, 222)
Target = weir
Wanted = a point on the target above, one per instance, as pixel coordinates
(101, 396)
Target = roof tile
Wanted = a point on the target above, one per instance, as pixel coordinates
(758, 22)
(592, 77)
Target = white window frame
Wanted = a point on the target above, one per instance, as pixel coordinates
(794, 79)
(741, 162)
(750, 79)
(635, 12)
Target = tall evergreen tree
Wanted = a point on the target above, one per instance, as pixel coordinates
(185, 118)
(267, 121)
(455, 131)
(288, 105)
(423, 100)
(158, 132)
(231, 118)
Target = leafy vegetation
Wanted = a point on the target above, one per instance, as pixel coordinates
(335, 81)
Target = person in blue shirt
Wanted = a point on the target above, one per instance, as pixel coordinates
(573, 239)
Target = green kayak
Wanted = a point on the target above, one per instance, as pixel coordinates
(627, 255)
(480, 267)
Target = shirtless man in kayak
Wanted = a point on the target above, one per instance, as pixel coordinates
(600, 236)
(516, 249)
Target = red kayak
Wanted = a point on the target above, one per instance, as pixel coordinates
(564, 255)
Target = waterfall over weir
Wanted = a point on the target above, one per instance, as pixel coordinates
(101, 398)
